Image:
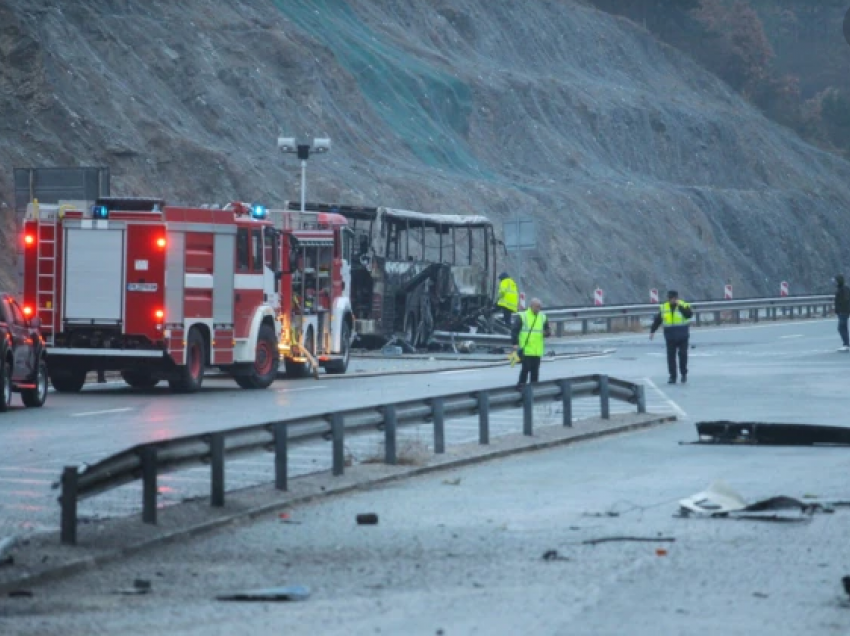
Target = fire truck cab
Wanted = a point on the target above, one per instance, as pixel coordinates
(155, 292)
(315, 310)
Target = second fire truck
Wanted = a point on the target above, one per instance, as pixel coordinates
(162, 292)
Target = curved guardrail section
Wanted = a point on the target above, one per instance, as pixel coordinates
(145, 461)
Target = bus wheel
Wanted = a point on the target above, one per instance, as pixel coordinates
(266, 362)
(191, 375)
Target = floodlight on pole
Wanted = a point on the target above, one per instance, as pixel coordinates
(291, 145)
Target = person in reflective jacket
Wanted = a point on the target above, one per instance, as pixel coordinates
(675, 315)
(529, 329)
(508, 300)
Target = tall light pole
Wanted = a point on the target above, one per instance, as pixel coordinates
(302, 149)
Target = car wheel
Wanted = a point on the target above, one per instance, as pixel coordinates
(6, 379)
(34, 398)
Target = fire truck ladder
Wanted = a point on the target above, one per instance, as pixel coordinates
(45, 268)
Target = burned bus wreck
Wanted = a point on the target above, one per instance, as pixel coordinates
(414, 273)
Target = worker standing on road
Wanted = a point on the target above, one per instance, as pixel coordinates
(508, 300)
(674, 315)
(527, 336)
(842, 310)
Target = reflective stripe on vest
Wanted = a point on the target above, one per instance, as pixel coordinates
(508, 295)
(531, 339)
(672, 318)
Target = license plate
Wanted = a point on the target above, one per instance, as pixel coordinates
(141, 287)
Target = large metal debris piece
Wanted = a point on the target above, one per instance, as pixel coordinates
(285, 593)
(719, 500)
(727, 432)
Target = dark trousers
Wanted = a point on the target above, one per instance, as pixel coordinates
(507, 314)
(530, 364)
(677, 345)
(842, 329)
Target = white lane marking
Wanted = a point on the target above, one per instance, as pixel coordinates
(667, 400)
(27, 469)
(456, 371)
(13, 480)
(104, 412)
(303, 388)
(796, 335)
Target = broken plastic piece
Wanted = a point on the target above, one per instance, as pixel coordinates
(725, 432)
(368, 519)
(717, 498)
(644, 539)
(553, 555)
(286, 593)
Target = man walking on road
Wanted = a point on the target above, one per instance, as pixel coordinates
(674, 315)
(842, 310)
(508, 300)
(527, 334)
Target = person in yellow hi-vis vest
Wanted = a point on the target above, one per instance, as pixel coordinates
(527, 336)
(675, 315)
(508, 300)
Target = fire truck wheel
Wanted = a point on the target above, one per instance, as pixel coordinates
(192, 373)
(267, 360)
(34, 398)
(68, 381)
(6, 394)
(339, 367)
(139, 379)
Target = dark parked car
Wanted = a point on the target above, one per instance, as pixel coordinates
(23, 354)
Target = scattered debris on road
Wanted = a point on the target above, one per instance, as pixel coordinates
(140, 586)
(6, 547)
(20, 594)
(643, 539)
(720, 501)
(610, 513)
(845, 581)
(452, 482)
(726, 432)
(286, 593)
(554, 555)
(367, 519)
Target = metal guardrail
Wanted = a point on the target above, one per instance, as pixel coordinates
(786, 305)
(146, 461)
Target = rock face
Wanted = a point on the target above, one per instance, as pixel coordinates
(641, 169)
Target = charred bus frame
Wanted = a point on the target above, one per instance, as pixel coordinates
(414, 273)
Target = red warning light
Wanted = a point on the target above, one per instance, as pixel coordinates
(29, 239)
(160, 242)
(159, 314)
(27, 311)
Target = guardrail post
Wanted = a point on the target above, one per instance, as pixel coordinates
(773, 313)
(640, 390)
(338, 440)
(737, 317)
(281, 456)
(808, 311)
(698, 319)
(217, 470)
(527, 409)
(68, 532)
(559, 329)
(390, 429)
(608, 324)
(438, 412)
(567, 401)
(585, 329)
(604, 397)
(483, 417)
(149, 485)
(716, 317)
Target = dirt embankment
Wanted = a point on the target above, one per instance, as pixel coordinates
(641, 169)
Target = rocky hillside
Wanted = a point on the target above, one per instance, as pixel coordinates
(641, 169)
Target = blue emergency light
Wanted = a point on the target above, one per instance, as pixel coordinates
(99, 212)
(259, 211)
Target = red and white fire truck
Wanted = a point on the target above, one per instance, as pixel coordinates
(315, 311)
(156, 292)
